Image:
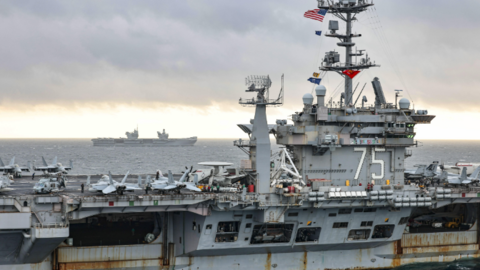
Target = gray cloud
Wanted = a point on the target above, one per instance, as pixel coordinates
(198, 52)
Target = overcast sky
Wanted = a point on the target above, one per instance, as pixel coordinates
(99, 68)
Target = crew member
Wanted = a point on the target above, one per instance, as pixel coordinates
(82, 187)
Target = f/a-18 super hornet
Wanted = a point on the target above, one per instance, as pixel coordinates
(13, 168)
(423, 171)
(53, 167)
(4, 183)
(107, 185)
(170, 184)
(462, 179)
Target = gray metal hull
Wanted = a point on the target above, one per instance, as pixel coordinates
(144, 142)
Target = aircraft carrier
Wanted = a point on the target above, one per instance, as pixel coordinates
(132, 140)
(334, 197)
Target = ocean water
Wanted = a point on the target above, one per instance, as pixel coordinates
(99, 160)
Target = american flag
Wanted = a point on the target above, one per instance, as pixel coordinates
(316, 14)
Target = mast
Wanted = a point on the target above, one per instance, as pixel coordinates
(345, 10)
(260, 149)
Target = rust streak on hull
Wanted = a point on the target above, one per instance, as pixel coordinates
(268, 263)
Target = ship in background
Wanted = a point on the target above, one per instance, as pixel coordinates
(132, 140)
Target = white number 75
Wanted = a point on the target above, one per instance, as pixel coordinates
(374, 161)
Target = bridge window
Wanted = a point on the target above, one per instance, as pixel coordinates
(307, 235)
(366, 224)
(345, 211)
(271, 233)
(358, 210)
(355, 235)
(227, 231)
(383, 231)
(338, 225)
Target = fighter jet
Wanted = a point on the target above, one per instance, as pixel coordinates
(462, 179)
(54, 167)
(107, 185)
(13, 168)
(423, 171)
(4, 183)
(171, 184)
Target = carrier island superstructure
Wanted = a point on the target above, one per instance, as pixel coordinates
(334, 198)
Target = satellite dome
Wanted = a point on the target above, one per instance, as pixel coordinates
(320, 90)
(308, 99)
(404, 104)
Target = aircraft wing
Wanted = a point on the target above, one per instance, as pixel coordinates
(109, 189)
(454, 181)
(43, 168)
(168, 187)
(25, 169)
(5, 169)
(192, 188)
(159, 186)
(132, 187)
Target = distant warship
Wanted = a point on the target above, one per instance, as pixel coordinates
(133, 140)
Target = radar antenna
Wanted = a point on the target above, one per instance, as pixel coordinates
(345, 10)
(261, 84)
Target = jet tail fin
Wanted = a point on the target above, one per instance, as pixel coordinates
(463, 176)
(476, 173)
(88, 180)
(184, 175)
(195, 179)
(44, 162)
(71, 164)
(110, 178)
(170, 177)
(148, 180)
(421, 169)
(1, 163)
(125, 177)
(54, 161)
(12, 161)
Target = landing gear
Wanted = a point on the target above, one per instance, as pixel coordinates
(120, 190)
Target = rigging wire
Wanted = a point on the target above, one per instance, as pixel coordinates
(393, 56)
(385, 44)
